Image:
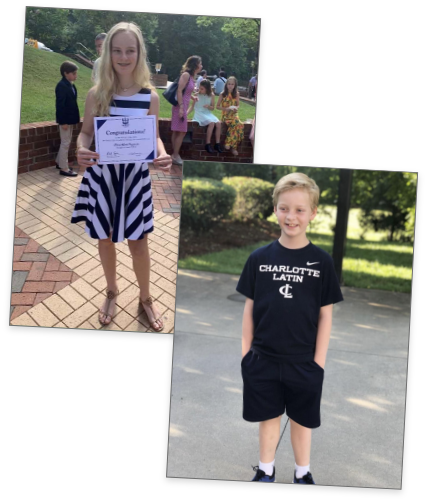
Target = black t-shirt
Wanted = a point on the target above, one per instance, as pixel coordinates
(289, 287)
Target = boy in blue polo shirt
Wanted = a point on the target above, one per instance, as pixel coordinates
(291, 287)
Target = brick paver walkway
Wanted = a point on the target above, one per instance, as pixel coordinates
(58, 280)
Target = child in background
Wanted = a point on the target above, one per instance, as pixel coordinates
(204, 117)
(228, 103)
(67, 114)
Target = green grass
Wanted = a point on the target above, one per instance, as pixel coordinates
(371, 263)
(245, 112)
(41, 74)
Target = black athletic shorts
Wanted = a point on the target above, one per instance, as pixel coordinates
(272, 388)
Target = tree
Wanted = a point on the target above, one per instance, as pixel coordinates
(47, 26)
(170, 39)
(244, 33)
(387, 200)
(342, 215)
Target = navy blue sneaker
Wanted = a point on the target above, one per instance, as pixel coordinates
(262, 476)
(306, 480)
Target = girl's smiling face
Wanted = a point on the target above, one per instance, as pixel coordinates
(202, 90)
(124, 53)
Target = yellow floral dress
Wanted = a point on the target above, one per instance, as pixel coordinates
(235, 128)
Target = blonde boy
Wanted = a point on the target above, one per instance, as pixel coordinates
(291, 287)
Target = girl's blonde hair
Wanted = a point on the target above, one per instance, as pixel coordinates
(108, 82)
(297, 180)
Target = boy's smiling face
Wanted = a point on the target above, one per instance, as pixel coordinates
(294, 213)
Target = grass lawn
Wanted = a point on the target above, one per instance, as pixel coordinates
(41, 74)
(372, 263)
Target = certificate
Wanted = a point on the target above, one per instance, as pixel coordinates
(121, 140)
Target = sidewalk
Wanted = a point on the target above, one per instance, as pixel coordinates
(57, 277)
(360, 440)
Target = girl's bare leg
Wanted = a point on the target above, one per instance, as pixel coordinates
(141, 263)
(178, 142)
(107, 252)
(210, 132)
(174, 140)
(217, 132)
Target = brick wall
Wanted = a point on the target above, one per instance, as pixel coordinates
(39, 143)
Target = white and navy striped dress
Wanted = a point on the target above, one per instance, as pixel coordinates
(117, 198)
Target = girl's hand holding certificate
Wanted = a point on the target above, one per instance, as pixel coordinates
(163, 162)
(86, 157)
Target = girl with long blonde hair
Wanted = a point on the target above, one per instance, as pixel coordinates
(115, 200)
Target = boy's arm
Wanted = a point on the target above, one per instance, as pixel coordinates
(325, 320)
(247, 326)
(61, 100)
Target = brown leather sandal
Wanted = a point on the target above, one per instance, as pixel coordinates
(111, 295)
(148, 302)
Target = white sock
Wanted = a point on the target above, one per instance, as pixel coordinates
(267, 468)
(301, 470)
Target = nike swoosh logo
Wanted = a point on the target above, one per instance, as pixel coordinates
(313, 263)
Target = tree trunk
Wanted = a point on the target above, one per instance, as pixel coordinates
(343, 205)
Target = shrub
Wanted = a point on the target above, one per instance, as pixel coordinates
(204, 202)
(253, 197)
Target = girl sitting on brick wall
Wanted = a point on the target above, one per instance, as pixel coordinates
(204, 117)
(228, 103)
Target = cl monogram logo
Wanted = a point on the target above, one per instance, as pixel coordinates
(284, 290)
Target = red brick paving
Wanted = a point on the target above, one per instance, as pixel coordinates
(52, 264)
(36, 271)
(167, 190)
(20, 309)
(45, 277)
(26, 265)
(41, 297)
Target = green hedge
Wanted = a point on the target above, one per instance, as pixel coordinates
(253, 197)
(205, 201)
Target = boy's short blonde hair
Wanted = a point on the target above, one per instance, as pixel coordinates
(297, 180)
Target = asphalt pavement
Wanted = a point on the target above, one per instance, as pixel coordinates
(360, 441)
